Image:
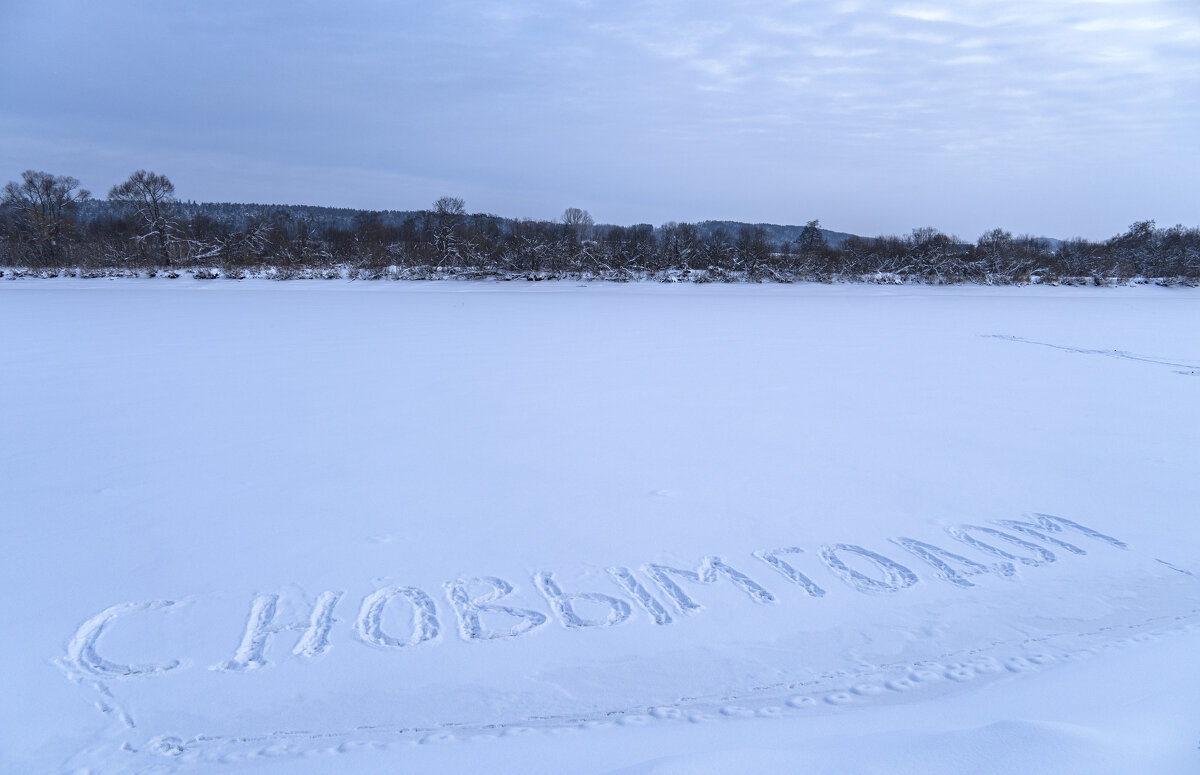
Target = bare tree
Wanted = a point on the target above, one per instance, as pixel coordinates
(1134, 249)
(448, 213)
(811, 238)
(450, 207)
(934, 254)
(578, 222)
(42, 206)
(150, 197)
(995, 249)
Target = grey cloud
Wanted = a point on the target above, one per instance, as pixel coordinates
(1059, 118)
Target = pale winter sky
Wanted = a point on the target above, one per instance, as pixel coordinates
(1052, 117)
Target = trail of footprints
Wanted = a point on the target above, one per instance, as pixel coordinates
(1186, 369)
(831, 692)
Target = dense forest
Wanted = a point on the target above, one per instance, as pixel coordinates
(50, 226)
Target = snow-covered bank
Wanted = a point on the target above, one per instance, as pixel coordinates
(697, 276)
(258, 526)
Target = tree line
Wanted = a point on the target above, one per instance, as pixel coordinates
(50, 225)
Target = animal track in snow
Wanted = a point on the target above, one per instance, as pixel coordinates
(1186, 369)
(835, 691)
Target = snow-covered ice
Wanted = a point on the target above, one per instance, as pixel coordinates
(321, 527)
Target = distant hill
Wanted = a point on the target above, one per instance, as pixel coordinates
(238, 215)
(775, 232)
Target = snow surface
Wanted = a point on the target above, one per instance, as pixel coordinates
(322, 527)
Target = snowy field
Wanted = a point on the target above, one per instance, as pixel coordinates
(323, 527)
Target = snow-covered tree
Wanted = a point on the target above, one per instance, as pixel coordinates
(42, 207)
(150, 200)
(578, 222)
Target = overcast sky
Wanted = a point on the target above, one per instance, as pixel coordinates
(1052, 117)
